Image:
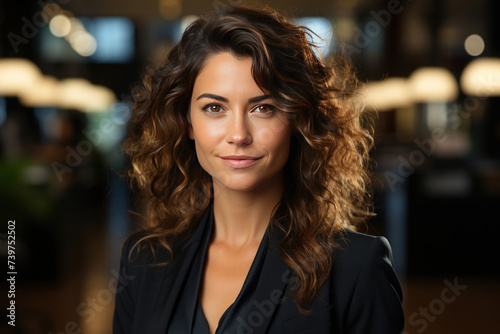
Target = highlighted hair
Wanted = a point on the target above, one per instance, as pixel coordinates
(327, 184)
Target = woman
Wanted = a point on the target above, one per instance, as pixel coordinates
(252, 161)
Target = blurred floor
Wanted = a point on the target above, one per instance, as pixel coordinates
(431, 307)
(81, 300)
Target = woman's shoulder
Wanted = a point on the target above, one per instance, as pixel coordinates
(364, 259)
(363, 278)
(355, 245)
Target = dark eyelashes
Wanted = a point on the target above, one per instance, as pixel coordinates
(268, 106)
(271, 108)
(209, 105)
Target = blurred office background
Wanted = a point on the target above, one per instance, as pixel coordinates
(432, 69)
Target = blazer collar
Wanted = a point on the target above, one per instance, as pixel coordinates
(268, 294)
(171, 283)
(260, 300)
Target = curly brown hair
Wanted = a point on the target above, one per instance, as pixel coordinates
(327, 184)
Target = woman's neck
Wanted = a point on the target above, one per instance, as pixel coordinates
(241, 218)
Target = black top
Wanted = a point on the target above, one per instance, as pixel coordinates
(362, 294)
(200, 324)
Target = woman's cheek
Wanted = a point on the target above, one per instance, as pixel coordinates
(273, 130)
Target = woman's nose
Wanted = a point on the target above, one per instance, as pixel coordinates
(238, 131)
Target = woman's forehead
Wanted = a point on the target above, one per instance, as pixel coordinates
(223, 73)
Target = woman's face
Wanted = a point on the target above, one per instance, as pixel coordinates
(241, 139)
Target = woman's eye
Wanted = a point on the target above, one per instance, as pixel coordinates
(213, 108)
(265, 109)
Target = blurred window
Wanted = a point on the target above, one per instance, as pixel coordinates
(114, 37)
(323, 28)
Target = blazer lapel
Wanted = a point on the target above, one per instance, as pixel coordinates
(273, 284)
(168, 296)
(253, 313)
(260, 300)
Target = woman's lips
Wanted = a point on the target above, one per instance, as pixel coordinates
(239, 161)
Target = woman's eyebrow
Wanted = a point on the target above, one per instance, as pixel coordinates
(223, 99)
(259, 98)
(213, 96)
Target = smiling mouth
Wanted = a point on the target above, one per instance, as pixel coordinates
(239, 161)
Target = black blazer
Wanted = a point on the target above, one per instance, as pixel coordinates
(362, 295)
